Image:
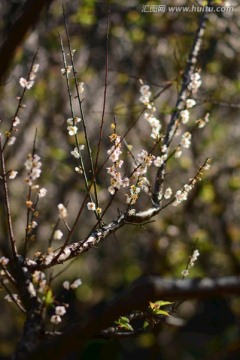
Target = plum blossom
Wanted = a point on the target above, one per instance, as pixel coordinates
(91, 206)
(4, 261)
(60, 310)
(42, 192)
(76, 283)
(12, 174)
(81, 87)
(55, 319)
(33, 165)
(186, 140)
(72, 130)
(190, 103)
(16, 121)
(195, 82)
(58, 234)
(168, 193)
(11, 140)
(62, 211)
(184, 114)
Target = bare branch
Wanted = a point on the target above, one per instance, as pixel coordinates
(28, 18)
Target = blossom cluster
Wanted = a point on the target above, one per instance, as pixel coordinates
(114, 153)
(62, 211)
(182, 195)
(59, 312)
(33, 166)
(186, 140)
(27, 84)
(191, 263)
(74, 285)
(150, 110)
(195, 82)
(143, 162)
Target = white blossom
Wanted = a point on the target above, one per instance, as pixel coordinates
(67, 70)
(42, 192)
(111, 190)
(35, 68)
(33, 165)
(23, 82)
(4, 261)
(60, 310)
(159, 161)
(164, 148)
(91, 206)
(73, 121)
(78, 169)
(186, 140)
(131, 212)
(185, 273)
(65, 254)
(11, 298)
(193, 258)
(184, 114)
(48, 259)
(81, 87)
(11, 140)
(190, 103)
(76, 283)
(26, 84)
(75, 153)
(12, 174)
(145, 94)
(195, 82)
(34, 224)
(32, 290)
(58, 234)
(202, 122)
(16, 121)
(55, 319)
(168, 193)
(72, 130)
(38, 276)
(66, 285)
(178, 152)
(62, 211)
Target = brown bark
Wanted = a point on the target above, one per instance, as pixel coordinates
(28, 18)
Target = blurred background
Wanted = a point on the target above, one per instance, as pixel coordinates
(152, 47)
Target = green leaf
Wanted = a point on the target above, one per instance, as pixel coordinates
(128, 327)
(162, 312)
(123, 322)
(163, 303)
(124, 319)
(49, 297)
(145, 324)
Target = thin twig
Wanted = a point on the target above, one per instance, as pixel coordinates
(89, 150)
(105, 92)
(7, 204)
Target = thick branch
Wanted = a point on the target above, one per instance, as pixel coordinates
(136, 298)
(28, 18)
(73, 250)
(189, 69)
